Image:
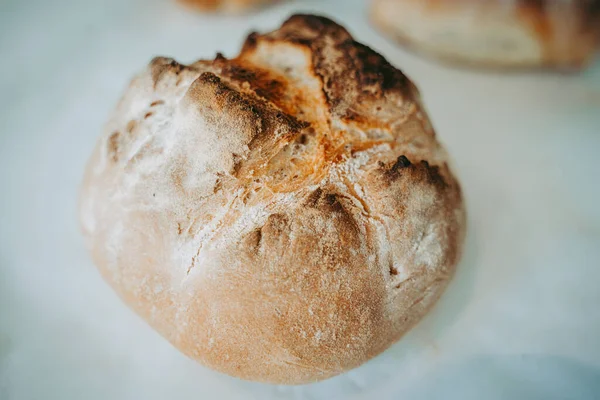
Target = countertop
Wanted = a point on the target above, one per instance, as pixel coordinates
(520, 320)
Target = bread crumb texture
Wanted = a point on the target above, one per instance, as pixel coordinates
(282, 216)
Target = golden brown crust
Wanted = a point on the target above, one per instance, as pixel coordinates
(513, 34)
(283, 216)
(351, 72)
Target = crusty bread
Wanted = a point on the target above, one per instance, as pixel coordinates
(560, 34)
(282, 216)
(229, 6)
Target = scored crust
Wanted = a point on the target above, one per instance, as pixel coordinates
(282, 216)
(225, 5)
(495, 33)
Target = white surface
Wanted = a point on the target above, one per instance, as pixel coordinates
(520, 321)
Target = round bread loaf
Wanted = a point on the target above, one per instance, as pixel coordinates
(229, 6)
(282, 216)
(496, 33)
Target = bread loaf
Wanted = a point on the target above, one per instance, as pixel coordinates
(562, 34)
(282, 216)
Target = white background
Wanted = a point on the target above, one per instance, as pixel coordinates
(521, 320)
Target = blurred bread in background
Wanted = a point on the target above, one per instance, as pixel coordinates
(495, 33)
(228, 6)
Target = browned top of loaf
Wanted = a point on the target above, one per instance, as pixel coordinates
(351, 72)
(357, 86)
